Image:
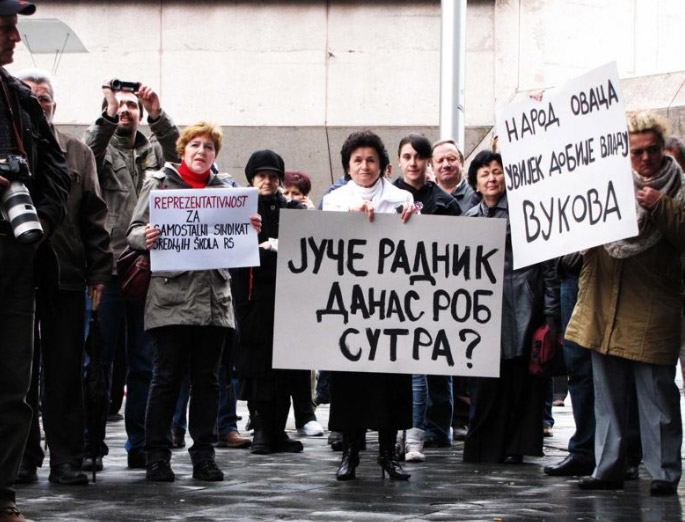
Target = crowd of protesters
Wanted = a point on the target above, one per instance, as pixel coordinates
(205, 338)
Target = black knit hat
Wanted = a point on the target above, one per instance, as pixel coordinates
(12, 7)
(264, 160)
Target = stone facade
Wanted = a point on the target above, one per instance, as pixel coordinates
(299, 76)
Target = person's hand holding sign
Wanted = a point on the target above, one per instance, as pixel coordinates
(151, 235)
(407, 212)
(256, 222)
(366, 207)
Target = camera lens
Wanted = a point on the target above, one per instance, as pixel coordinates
(21, 213)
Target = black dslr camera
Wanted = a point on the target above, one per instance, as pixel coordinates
(14, 168)
(17, 206)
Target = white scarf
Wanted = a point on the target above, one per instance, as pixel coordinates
(372, 193)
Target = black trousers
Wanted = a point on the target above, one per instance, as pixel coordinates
(269, 396)
(174, 349)
(59, 344)
(506, 414)
(302, 397)
(16, 347)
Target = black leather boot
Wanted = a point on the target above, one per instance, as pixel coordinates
(67, 474)
(351, 442)
(387, 457)
(281, 443)
(263, 431)
(284, 444)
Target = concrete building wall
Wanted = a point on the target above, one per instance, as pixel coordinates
(298, 76)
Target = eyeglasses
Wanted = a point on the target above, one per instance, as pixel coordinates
(652, 150)
(44, 99)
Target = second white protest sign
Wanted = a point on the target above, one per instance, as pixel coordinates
(567, 169)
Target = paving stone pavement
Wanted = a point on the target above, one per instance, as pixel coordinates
(303, 487)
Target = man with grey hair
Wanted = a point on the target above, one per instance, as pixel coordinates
(447, 162)
(81, 243)
(448, 166)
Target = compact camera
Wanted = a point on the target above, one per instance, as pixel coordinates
(16, 204)
(123, 86)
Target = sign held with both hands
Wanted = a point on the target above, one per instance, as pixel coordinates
(202, 229)
(423, 297)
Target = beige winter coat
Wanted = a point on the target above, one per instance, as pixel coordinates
(632, 307)
(200, 297)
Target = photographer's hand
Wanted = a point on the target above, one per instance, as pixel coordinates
(150, 101)
(4, 182)
(112, 102)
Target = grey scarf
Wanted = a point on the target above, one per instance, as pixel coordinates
(668, 181)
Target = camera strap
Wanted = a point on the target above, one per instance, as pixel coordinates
(8, 103)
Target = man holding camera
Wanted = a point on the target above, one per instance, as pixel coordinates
(30, 159)
(82, 246)
(123, 154)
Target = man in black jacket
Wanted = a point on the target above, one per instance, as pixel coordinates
(81, 243)
(24, 132)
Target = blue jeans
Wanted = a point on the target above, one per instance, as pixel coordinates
(323, 393)
(419, 387)
(119, 317)
(227, 420)
(548, 418)
(432, 409)
(580, 387)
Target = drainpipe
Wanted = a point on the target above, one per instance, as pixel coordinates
(452, 66)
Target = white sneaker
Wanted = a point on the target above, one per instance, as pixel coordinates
(413, 447)
(311, 429)
(399, 444)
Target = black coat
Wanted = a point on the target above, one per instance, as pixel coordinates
(380, 401)
(375, 401)
(435, 201)
(530, 294)
(254, 294)
(50, 181)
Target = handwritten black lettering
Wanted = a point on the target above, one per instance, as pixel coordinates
(531, 122)
(592, 206)
(598, 96)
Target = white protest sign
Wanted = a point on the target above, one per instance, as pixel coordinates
(567, 169)
(202, 229)
(422, 297)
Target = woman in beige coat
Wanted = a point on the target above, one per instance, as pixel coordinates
(628, 313)
(189, 315)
